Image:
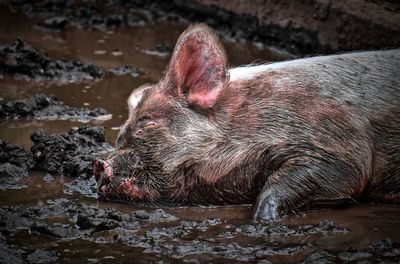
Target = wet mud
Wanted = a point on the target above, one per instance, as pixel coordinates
(25, 62)
(172, 238)
(99, 16)
(70, 153)
(115, 14)
(49, 209)
(15, 163)
(300, 28)
(48, 107)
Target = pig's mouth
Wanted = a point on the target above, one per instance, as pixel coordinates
(123, 188)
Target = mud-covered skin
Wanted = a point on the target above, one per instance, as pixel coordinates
(283, 136)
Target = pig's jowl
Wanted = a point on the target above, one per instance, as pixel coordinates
(284, 135)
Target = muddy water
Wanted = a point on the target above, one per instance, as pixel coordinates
(356, 228)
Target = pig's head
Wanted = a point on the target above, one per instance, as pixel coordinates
(170, 130)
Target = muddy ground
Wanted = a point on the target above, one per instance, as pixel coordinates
(64, 64)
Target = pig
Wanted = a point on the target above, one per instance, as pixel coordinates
(283, 136)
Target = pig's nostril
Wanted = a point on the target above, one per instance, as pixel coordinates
(98, 168)
(103, 174)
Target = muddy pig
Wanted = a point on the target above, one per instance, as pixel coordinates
(283, 135)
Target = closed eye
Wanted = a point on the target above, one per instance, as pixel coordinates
(144, 123)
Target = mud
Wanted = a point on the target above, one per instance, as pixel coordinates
(9, 254)
(25, 62)
(70, 153)
(91, 16)
(301, 28)
(116, 14)
(161, 50)
(54, 23)
(160, 233)
(125, 70)
(48, 107)
(238, 26)
(42, 256)
(15, 163)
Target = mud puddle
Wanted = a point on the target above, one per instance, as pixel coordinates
(55, 218)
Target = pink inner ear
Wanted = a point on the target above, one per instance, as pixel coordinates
(199, 67)
(205, 98)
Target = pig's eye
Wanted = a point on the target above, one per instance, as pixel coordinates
(144, 123)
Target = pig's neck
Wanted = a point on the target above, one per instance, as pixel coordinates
(231, 168)
(238, 111)
(229, 178)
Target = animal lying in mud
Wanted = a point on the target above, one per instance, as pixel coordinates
(284, 136)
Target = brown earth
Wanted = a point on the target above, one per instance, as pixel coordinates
(337, 25)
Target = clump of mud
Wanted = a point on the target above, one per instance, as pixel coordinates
(9, 254)
(25, 62)
(15, 163)
(375, 253)
(125, 70)
(160, 50)
(28, 63)
(48, 107)
(69, 153)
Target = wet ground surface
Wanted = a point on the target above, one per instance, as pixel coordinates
(49, 210)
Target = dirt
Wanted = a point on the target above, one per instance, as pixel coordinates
(90, 16)
(312, 26)
(25, 62)
(70, 153)
(160, 233)
(15, 163)
(49, 209)
(299, 27)
(115, 14)
(48, 107)
(9, 254)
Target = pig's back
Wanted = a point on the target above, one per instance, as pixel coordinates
(367, 81)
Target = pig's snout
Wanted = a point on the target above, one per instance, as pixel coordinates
(110, 183)
(102, 173)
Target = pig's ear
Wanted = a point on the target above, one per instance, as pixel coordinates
(197, 69)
